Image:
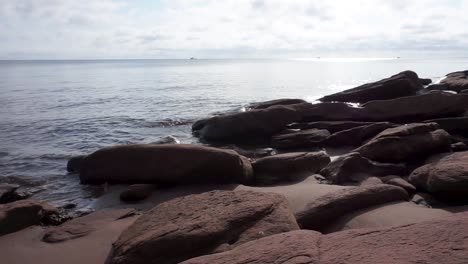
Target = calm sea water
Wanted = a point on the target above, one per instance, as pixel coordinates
(53, 110)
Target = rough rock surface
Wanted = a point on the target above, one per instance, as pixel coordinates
(331, 126)
(324, 209)
(201, 224)
(399, 85)
(137, 192)
(21, 214)
(404, 142)
(266, 104)
(439, 241)
(173, 164)
(304, 138)
(446, 179)
(357, 135)
(403, 109)
(344, 168)
(244, 126)
(288, 167)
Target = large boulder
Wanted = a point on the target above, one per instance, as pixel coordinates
(331, 126)
(300, 139)
(452, 124)
(405, 142)
(172, 164)
(350, 167)
(402, 84)
(288, 167)
(357, 135)
(266, 104)
(244, 126)
(446, 179)
(201, 224)
(403, 109)
(456, 81)
(21, 214)
(441, 240)
(321, 212)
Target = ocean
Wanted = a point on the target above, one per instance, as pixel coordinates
(51, 111)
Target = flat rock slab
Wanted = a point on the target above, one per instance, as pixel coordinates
(167, 163)
(21, 214)
(386, 215)
(201, 224)
(331, 206)
(404, 109)
(300, 139)
(438, 241)
(402, 84)
(405, 142)
(357, 135)
(244, 126)
(347, 168)
(284, 101)
(446, 178)
(27, 246)
(288, 167)
(331, 126)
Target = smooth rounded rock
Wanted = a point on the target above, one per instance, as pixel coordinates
(169, 163)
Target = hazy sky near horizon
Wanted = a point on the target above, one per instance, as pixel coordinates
(71, 29)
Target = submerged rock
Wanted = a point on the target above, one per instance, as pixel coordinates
(21, 214)
(350, 167)
(245, 126)
(404, 142)
(201, 224)
(74, 164)
(170, 163)
(326, 208)
(288, 167)
(8, 193)
(299, 139)
(402, 84)
(446, 179)
(266, 104)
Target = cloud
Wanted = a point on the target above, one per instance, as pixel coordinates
(235, 28)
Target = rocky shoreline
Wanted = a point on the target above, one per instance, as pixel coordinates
(396, 193)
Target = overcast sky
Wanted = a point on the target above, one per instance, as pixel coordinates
(71, 29)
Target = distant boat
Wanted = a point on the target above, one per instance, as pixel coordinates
(193, 58)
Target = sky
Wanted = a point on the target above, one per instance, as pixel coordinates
(144, 29)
